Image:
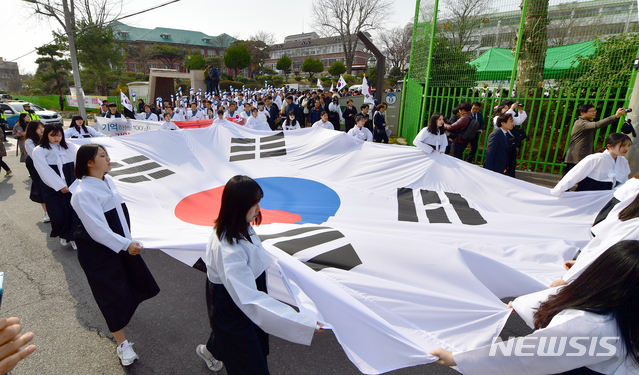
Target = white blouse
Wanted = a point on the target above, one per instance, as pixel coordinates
(600, 167)
(425, 140)
(29, 146)
(576, 326)
(326, 125)
(169, 126)
(72, 132)
(256, 123)
(143, 116)
(237, 266)
(293, 126)
(521, 117)
(362, 134)
(90, 200)
(56, 155)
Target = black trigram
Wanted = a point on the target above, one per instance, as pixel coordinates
(138, 168)
(340, 254)
(407, 210)
(251, 148)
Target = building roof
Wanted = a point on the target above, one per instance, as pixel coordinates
(310, 42)
(170, 36)
(497, 63)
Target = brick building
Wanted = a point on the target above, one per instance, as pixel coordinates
(9, 74)
(299, 47)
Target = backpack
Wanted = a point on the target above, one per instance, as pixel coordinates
(471, 130)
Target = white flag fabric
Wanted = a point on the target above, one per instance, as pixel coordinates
(125, 102)
(341, 83)
(331, 89)
(366, 91)
(400, 251)
(319, 85)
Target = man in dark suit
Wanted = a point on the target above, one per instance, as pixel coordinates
(273, 111)
(500, 151)
(479, 117)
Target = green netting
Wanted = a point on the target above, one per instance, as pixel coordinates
(565, 55)
(412, 109)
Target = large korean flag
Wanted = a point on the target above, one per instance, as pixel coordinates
(401, 252)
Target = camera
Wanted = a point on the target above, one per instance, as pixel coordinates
(628, 110)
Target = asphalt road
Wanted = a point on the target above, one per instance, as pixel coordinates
(47, 289)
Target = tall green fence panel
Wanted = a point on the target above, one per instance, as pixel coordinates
(549, 58)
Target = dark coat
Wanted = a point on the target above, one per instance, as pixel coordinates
(500, 154)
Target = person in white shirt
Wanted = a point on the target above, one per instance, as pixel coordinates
(629, 189)
(147, 115)
(232, 112)
(110, 259)
(590, 322)
(78, 129)
(174, 116)
(54, 160)
(432, 138)
(241, 313)
(262, 112)
(323, 122)
(291, 122)
(254, 122)
(194, 113)
(601, 171)
(246, 114)
(621, 224)
(518, 117)
(168, 124)
(359, 131)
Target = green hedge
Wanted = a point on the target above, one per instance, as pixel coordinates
(51, 102)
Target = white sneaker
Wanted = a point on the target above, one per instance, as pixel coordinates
(126, 353)
(63, 242)
(211, 362)
(73, 245)
(46, 219)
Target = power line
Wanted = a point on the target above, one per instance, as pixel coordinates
(100, 25)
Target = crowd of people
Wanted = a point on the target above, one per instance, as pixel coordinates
(599, 295)
(267, 109)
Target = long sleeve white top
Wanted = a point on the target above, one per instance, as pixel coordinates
(256, 123)
(600, 167)
(56, 155)
(607, 233)
(198, 115)
(264, 115)
(577, 327)
(362, 134)
(521, 117)
(629, 189)
(237, 266)
(72, 132)
(29, 146)
(326, 125)
(90, 200)
(146, 117)
(425, 140)
(337, 109)
(169, 126)
(294, 125)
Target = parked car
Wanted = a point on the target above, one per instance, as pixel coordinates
(12, 109)
(5, 97)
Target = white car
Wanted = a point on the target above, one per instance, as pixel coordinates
(12, 109)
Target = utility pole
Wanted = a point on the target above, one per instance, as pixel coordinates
(68, 25)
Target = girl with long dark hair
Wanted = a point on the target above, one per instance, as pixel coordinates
(119, 278)
(291, 122)
(34, 132)
(432, 137)
(590, 322)
(601, 171)
(54, 161)
(78, 129)
(19, 130)
(241, 313)
(621, 224)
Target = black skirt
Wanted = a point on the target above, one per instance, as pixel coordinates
(603, 214)
(36, 192)
(589, 184)
(237, 341)
(119, 281)
(63, 217)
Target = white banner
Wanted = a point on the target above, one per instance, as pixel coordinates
(121, 126)
(401, 252)
(89, 101)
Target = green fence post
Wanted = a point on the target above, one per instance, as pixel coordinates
(513, 74)
(400, 127)
(430, 60)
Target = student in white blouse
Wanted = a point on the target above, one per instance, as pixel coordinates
(432, 138)
(291, 122)
(323, 122)
(590, 322)
(78, 129)
(601, 171)
(147, 115)
(241, 313)
(359, 131)
(168, 124)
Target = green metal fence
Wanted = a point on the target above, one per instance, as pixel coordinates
(588, 54)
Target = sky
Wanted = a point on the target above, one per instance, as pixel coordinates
(21, 31)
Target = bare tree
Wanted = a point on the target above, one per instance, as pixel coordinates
(461, 20)
(345, 18)
(93, 12)
(263, 36)
(396, 44)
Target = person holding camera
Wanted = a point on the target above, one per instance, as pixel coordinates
(582, 136)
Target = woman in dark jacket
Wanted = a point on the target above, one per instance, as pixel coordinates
(349, 115)
(379, 135)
